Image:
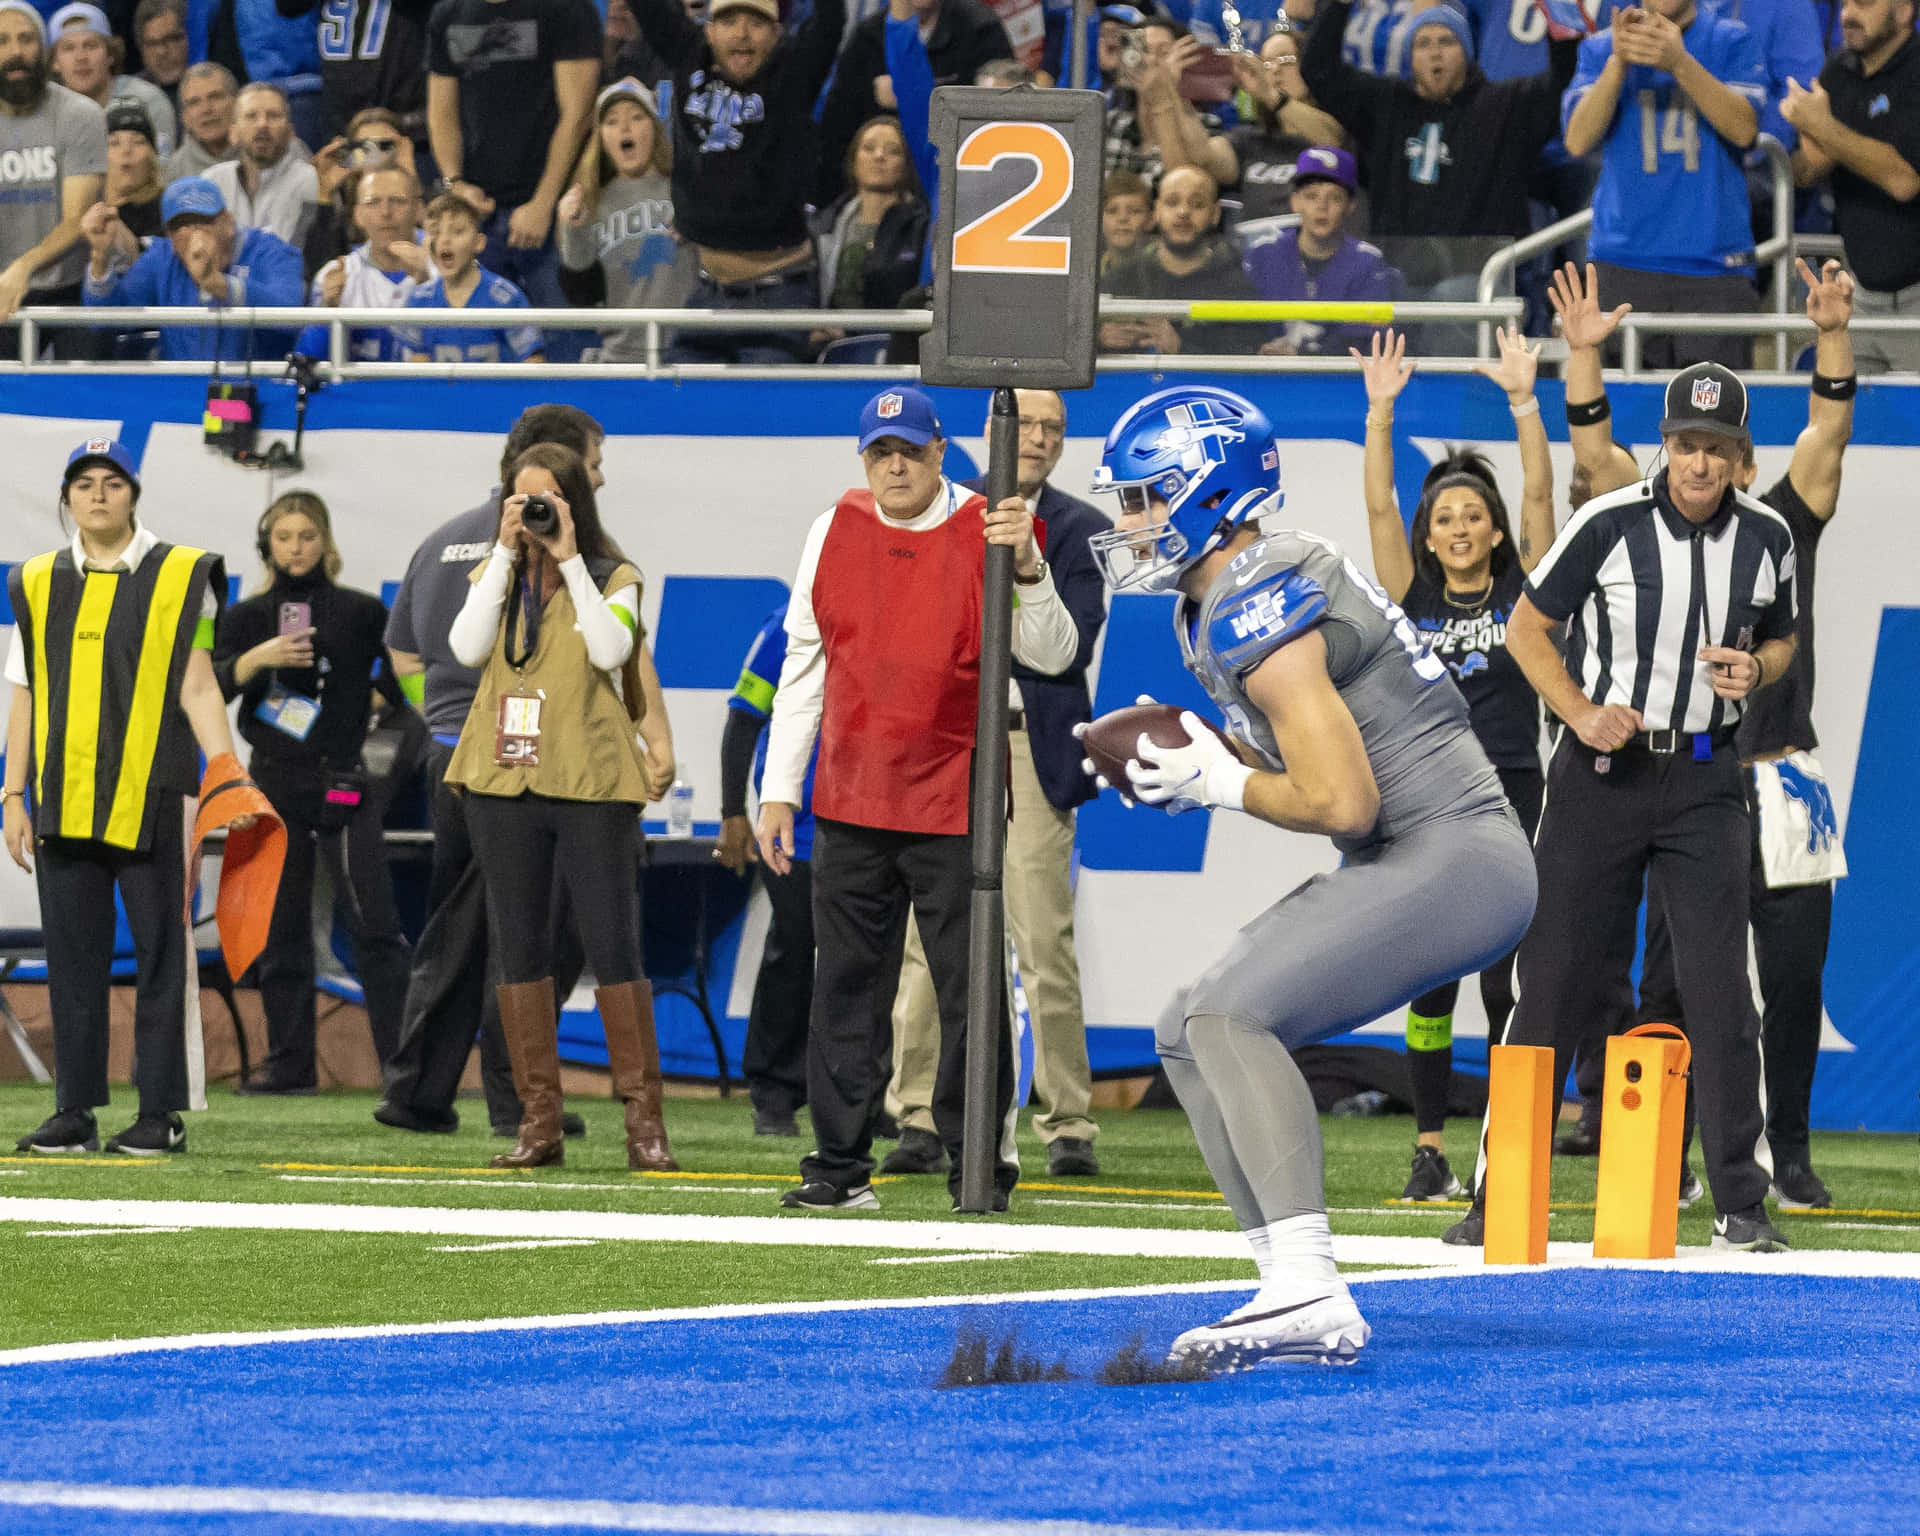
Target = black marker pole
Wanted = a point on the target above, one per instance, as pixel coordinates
(987, 946)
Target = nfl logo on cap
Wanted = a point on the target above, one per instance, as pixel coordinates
(98, 444)
(1706, 394)
(889, 406)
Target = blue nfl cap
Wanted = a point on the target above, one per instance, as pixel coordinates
(904, 413)
(191, 194)
(102, 450)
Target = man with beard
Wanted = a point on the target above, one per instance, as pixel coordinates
(53, 163)
(1860, 124)
(1186, 259)
(271, 186)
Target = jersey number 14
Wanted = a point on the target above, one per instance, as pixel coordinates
(1675, 131)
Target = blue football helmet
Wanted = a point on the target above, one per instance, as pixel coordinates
(1209, 455)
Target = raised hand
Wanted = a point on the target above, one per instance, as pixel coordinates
(1583, 323)
(1829, 295)
(1518, 364)
(1385, 369)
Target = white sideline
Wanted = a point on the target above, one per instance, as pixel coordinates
(547, 1514)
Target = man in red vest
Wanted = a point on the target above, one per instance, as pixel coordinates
(883, 668)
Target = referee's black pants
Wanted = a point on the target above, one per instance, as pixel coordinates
(1602, 833)
(76, 879)
(864, 881)
(775, 1060)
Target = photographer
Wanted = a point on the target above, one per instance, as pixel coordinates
(555, 781)
(1151, 126)
(300, 655)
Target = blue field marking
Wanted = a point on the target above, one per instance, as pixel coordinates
(1578, 1400)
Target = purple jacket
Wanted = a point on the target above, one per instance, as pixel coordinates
(1355, 272)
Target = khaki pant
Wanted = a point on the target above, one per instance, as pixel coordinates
(1039, 904)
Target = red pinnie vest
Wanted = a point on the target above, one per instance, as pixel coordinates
(899, 617)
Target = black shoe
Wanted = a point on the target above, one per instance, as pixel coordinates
(269, 1088)
(1071, 1157)
(1583, 1139)
(1431, 1178)
(151, 1136)
(885, 1127)
(510, 1132)
(68, 1130)
(820, 1195)
(571, 1125)
(1796, 1187)
(1470, 1231)
(404, 1117)
(1748, 1231)
(774, 1122)
(919, 1152)
(1690, 1189)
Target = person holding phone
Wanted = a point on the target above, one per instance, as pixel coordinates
(555, 780)
(304, 656)
(1151, 126)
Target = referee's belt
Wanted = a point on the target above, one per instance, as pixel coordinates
(1701, 744)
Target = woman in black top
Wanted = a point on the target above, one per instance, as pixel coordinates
(301, 656)
(1458, 574)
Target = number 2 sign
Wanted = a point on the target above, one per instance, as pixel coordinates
(1016, 245)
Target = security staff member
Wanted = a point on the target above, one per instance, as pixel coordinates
(883, 668)
(1047, 785)
(1795, 854)
(1677, 595)
(113, 693)
(301, 657)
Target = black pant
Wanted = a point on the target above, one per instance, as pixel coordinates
(450, 990)
(76, 878)
(1790, 930)
(775, 1061)
(1431, 1071)
(356, 857)
(1600, 835)
(527, 845)
(1669, 293)
(864, 881)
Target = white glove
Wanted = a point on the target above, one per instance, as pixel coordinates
(1202, 773)
(1099, 779)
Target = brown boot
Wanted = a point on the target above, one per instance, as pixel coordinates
(626, 1015)
(528, 1020)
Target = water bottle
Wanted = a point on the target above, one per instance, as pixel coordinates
(680, 809)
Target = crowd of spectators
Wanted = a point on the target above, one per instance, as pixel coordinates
(771, 154)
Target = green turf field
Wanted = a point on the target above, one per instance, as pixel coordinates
(328, 1150)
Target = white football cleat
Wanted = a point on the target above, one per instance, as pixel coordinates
(1279, 1324)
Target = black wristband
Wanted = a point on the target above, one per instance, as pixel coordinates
(1588, 414)
(1835, 389)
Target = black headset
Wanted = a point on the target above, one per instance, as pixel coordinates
(263, 538)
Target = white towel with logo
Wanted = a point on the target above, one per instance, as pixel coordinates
(1799, 830)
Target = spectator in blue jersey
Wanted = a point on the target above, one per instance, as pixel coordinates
(775, 1062)
(380, 273)
(1318, 259)
(455, 239)
(1671, 95)
(1787, 33)
(370, 56)
(1376, 36)
(204, 261)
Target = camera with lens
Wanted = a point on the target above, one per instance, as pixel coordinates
(539, 516)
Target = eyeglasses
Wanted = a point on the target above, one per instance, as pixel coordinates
(1050, 431)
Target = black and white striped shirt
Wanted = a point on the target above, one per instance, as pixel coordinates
(1641, 590)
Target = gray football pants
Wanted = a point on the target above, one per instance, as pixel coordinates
(1447, 899)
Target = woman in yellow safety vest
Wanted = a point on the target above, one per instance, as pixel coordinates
(113, 691)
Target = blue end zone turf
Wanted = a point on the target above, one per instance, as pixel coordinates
(1571, 1400)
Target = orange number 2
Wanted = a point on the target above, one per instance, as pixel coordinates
(998, 241)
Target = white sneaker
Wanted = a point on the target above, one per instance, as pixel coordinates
(1280, 1323)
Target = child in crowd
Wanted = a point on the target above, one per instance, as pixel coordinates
(617, 246)
(454, 243)
(1126, 209)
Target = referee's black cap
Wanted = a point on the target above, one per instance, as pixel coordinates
(1706, 398)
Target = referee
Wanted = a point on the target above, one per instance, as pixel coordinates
(1677, 596)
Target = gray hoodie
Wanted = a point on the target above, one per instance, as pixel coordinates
(630, 238)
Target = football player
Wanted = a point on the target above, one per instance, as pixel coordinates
(1346, 726)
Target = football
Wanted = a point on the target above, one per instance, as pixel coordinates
(1114, 738)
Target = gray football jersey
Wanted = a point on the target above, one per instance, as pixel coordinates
(1426, 761)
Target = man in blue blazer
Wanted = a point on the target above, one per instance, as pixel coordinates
(1047, 785)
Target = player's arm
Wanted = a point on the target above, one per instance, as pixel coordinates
(1328, 786)
(1815, 470)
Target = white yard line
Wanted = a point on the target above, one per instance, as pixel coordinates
(942, 1258)
(537, 1242)
(101, 1231)
(545, 1514)
(1866, 1226)
(1138, 1205)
